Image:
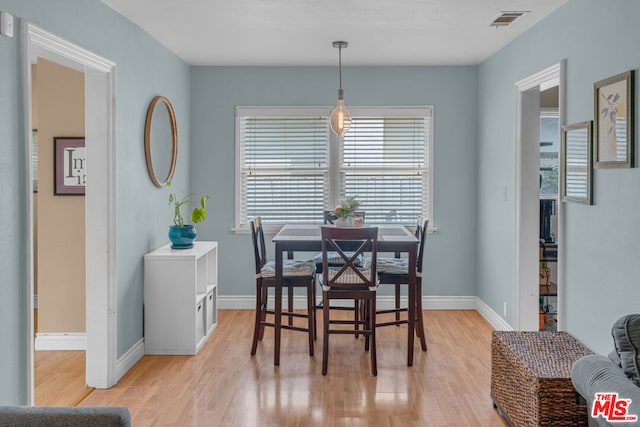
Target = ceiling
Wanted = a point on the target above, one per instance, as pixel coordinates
(301, 32)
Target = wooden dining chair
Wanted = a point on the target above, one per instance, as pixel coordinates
(394, 271)
(295, 274)
(329, 218)
(349, 281)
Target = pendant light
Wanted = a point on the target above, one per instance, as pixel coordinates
(340, 116)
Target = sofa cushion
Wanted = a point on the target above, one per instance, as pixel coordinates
(615, 359)
(596, 374)
(626, 338)
(64, 416)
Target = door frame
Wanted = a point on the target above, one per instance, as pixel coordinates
(100, 212)
(527, 213)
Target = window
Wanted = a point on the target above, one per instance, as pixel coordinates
(290, 166)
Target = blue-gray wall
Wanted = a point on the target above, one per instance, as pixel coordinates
(598, 38)
(471, 254)
(216, 91)
(144, 69)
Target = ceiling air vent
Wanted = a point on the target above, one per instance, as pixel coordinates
(506, 18)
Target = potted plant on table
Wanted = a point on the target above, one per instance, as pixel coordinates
(182, 235)
(345, 210)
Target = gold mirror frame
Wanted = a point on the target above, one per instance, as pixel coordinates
(147, 140)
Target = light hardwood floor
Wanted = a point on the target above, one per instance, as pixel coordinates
(224, 386)
(60, 378)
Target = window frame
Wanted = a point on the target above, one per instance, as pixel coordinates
(551, 112)
(334, 151)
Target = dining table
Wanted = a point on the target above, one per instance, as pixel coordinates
(392, 238)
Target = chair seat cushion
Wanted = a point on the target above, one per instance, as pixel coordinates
(392, 265)
(348, 276)
(290, 268)
(333, 258)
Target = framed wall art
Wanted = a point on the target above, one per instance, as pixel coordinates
(576, 147)
(613, 121)
(69, 165)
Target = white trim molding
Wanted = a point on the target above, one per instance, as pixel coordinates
(101, 320)
(525, 314)
(130, 358)
(494, 319)
(247, 302)
(61, 341)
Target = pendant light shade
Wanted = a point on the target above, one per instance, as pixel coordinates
(340, 116)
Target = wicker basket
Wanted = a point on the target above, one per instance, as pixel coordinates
(530, 378)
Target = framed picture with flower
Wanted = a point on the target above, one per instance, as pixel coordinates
(613, 121)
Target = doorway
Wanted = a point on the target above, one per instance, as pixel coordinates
(100, 276)
(59, 245)
(528, 199)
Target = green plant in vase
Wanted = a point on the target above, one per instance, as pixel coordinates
(182, 235)
(345, 210)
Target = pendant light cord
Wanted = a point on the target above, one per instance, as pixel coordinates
(340, 66)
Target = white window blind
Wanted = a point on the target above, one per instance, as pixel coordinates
(283, 166)
(577, 164)
(290, 167)
(385, 163)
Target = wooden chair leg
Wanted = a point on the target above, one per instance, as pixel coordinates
(315, 312)
(356, 317)
(325, 337)
(411, 324)
(397, 286)
(264, 298)
(258, 317)
(419, 317)
(372, 328)
(310, 315)
(366, 316)
(290, 304)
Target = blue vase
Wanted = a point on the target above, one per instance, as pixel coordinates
(182, 237)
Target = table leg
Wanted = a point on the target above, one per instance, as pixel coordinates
(278, 306)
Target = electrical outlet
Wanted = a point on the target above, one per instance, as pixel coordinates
(504, 310)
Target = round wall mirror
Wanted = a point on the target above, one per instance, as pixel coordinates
(160, 141)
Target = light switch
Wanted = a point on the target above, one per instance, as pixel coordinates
(6, 24)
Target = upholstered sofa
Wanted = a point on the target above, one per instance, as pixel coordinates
(619, 373)
(67, 416)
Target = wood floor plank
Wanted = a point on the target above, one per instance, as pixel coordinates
(224, 386)
(59, 378)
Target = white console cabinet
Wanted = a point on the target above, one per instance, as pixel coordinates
(180, 298)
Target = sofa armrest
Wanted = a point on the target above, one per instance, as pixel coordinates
(69, 416)
(597, 374)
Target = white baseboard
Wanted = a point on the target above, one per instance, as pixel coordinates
(495, 320)
(247, 302)
(130, 358)
(448, 303)
(61, 341)
(237, 302)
